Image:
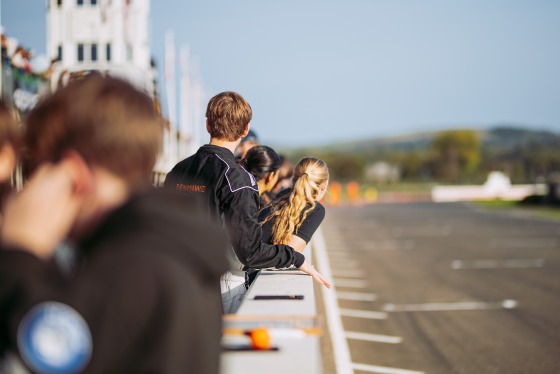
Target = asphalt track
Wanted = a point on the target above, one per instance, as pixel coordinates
(442, 289)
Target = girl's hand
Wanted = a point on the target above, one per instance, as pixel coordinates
(310, 269)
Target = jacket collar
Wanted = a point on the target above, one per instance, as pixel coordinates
(221, 151)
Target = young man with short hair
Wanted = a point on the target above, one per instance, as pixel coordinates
(231, 197)
(142, 296)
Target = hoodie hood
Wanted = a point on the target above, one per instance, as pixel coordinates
(171, 222)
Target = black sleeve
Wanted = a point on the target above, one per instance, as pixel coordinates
(19, 271)
(267, 226)
(246, 235)
(114, 307)
(311, 223)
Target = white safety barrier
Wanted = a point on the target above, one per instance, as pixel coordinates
(283, 302)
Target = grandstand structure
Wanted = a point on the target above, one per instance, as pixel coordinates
(110, 36)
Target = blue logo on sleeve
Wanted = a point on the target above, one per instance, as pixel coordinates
(53, 338)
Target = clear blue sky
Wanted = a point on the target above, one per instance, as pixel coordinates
(316, 71)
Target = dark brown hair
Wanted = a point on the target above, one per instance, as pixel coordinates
(261, 160)
(107, 121)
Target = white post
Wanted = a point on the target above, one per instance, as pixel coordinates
(185, 100)
(171, 96)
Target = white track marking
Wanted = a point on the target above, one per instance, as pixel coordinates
(339, 254)
(362, 313)
(361, 296)
(373, 337)
(389, 245)
(340, 345)
(467, 305)
(350, 273)
(348, 264)
(523, 243)
(352, 283)
(426, 231)
(497, 264)
(383, 369)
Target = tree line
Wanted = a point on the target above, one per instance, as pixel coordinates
(452, 156)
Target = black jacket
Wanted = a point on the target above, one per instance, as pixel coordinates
(231, 195)
(146, 285)
(305, 230)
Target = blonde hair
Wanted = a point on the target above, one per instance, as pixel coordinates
(290, 210)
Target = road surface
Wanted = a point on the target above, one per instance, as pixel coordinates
(443, 289)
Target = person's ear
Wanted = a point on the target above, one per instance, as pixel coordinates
(79, 172)
(246, 130)
(208, 126)
(267, 179)
(274, 177)
(270, 179)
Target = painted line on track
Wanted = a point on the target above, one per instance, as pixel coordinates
(347, 264)
(498, 264)
(523, 243)
(336, 330)
(373, 337)
(383, 369)
(339, 254)
(389, 245)
(350, 273)
(363, 313)
(427, 231)
(467, 305)
(360, 296)
(351, 283)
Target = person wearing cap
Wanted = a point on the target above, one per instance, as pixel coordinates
(247, 142)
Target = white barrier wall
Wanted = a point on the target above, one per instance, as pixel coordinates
(498, 186)
(292, 324)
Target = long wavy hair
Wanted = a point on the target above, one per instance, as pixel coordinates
(290, 210)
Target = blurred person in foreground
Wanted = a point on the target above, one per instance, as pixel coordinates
(142, 296)
(295, 214)
(231, 197)
(9, 144)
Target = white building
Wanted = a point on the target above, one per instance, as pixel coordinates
(106, 35)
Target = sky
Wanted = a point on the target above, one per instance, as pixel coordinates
(321, 71)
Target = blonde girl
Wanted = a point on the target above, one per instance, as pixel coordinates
(295, 214)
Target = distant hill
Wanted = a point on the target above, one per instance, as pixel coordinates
(510, 138)
(502, 138)
(523, 154)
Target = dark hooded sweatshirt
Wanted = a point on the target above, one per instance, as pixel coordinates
(146, 285)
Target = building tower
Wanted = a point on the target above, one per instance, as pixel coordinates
(110, 36)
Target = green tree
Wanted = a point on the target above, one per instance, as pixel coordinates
(344, 167)
(456, 155)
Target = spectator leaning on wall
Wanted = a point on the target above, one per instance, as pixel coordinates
(231, 196)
